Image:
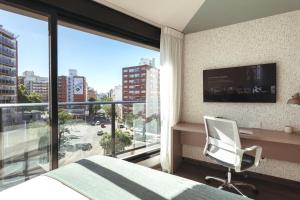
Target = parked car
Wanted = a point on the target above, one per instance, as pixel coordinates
(121, 126)
(100, 132)
(87, 147)
(84, 146)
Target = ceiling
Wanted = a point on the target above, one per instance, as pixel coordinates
(173, 13)
(217, 13)
(191, 16)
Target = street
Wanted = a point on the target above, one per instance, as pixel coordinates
(82, 141)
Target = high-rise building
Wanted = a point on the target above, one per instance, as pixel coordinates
(8, 66)
(76, 87)
(117, 93)
(140, 83)
(147, 61)
(152, 91)
(117, 96)
(73, 88)
(110, 93)
(92, 94)
(41, 87)
(34, 83)
(62, 89)
(134, 85)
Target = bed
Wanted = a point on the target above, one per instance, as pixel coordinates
(100, 177)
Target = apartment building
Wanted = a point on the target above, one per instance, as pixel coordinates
(117, 96)
(91, 93)
(147, 61)
(72, 88)
(34, 83)
(76, 87)
(134, 85)
(110, 93)
(62, 88)
(8, 66)
(140, 83)
(117, 93)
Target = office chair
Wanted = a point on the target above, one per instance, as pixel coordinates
(223, 146)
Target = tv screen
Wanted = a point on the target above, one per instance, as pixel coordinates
(254, 83)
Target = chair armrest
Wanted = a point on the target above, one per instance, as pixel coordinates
(258, 151)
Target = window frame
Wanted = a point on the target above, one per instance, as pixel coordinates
(144, 34)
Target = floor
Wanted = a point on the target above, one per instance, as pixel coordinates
(267, 190)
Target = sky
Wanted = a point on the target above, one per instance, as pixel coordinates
(97, 58)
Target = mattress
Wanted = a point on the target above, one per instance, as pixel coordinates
(107, 178)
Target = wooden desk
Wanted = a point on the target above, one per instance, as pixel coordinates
(276, 145)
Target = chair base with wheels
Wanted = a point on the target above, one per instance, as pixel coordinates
(233, 185)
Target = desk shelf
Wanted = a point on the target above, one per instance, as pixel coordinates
(276, 145)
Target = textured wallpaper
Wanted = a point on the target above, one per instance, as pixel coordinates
(272, 39)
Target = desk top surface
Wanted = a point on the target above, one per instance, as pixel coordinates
(258, 134)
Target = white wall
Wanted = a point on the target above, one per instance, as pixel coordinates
(271, 39)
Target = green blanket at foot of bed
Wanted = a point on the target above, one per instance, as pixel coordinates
(107, 178)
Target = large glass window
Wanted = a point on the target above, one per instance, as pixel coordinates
(108, 96)
(24, 84)
(106, 73)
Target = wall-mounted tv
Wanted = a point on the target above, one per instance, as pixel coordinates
(253, 83)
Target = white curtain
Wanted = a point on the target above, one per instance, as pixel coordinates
(171, 44)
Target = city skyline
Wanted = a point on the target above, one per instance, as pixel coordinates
(76, 50)
(32, 73)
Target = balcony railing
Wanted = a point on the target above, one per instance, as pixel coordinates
(8, 42)
(7, 51)
(85, 128)
(7, 61)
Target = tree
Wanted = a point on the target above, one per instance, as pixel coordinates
(63, 117)
(106, 99)
(25, 96)
(122, 140)
(106, 107)
(22, 94)
(34, 97)
(92, 109)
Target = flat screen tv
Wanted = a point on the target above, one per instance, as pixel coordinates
(254, 83)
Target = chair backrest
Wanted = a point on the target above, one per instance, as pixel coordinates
(222, 139)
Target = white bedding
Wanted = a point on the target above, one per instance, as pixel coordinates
(106, 178)
(41, 188)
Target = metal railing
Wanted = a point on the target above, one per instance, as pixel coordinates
(18, 105)
(23, 157)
